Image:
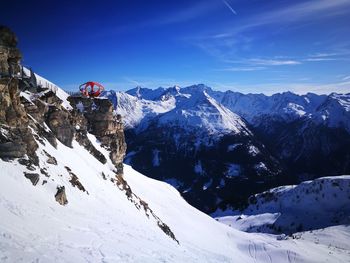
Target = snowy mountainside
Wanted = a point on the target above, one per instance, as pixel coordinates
(145, 93)
(289, 107)
(219, 139)
(311, 205)
(203, 112)
(103, 225)
(252, 107)
(137, 112)
(188, 145)
(188, 108)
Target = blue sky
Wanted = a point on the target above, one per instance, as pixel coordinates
(259, 46)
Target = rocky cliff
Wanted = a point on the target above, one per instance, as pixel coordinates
(28, 114)
(16, 138)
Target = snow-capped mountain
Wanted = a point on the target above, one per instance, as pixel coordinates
(205, 142)
(137, 112)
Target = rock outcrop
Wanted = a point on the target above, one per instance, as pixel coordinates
(58, 121)
(31, 114)
(10, 55)
(102, 122)
(16, 138)
(60, 196)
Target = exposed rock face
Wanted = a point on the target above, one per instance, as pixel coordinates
(10, 56)
(104, 125)
(16, 139)
(58, 121)
(60, 196)
(33, 177)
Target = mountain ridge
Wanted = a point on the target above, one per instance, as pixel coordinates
(296, 137)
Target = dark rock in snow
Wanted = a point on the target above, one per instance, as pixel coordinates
(33, 177)
(60, 195)
(50, 159)
(12, 149)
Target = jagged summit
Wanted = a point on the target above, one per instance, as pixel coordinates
(146, 93)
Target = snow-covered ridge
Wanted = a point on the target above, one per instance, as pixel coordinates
(44, 83)
(310, 205)
(188, 108)
(331, 110)
(135, 110)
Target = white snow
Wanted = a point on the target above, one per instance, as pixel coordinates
(134, 110)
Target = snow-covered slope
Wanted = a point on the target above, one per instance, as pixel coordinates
(311, 205)
(102, 225)
(201, 111)
(137, 112)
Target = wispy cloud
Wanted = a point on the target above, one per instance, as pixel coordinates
(273, 62)
(330, 56)
(229, 7)
(241, 69)
(346, 78)
(321, 59)
(323, 55)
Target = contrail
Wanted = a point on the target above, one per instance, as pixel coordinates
(230, 7)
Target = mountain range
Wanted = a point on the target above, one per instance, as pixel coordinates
(217, 148)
